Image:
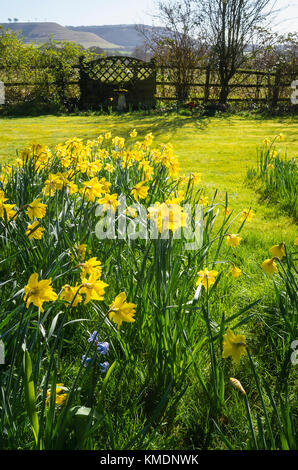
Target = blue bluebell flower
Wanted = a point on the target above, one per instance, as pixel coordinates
(104, 366)
(85, 360)
(103, 348)
(93, 337)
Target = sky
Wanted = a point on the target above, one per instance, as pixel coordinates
(99, 12)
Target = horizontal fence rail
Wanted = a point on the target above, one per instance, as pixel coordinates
(247, 85)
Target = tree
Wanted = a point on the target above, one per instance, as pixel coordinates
(10, 20)
(97, 50)
(57, 59)
(141, 52)
(230, 27)
(16, 20)
(14, 54)
(278, 54)
(275, 50)
(48, 68)
(176, 43)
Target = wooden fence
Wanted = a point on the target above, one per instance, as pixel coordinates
(246, 86)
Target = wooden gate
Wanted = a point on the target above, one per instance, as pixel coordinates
(122, 83)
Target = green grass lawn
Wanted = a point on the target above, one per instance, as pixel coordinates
(221, 148)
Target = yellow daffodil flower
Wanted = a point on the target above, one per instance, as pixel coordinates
(235, 272)
(60, 397)
(226, 210)
(269, 266)
(34, 231)
(207, 278)
(140, 191)
(118, 142)
(131, 212)
(38, 292)
(278, 250)
(133, 134)
(233, 240)
(247, 215)
(109, 167)
(122, 311)
(234, 346)
(6, 210)
(91, 267)
(92, 189)
(70, 294)
(36, 209)
(195, 177)
(110, 201)
(93, 288)
(204, 201)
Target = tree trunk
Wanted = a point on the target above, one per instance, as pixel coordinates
(182, 92)
(224, 92)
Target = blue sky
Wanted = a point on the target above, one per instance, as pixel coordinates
(98, 12)
(77, 12)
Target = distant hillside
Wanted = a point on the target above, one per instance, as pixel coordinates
(124, 34)
(42, 32)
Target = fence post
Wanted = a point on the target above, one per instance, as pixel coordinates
(154, 78)
(162, 79)
(82, 84)
(269, 96)
(207, 82)
(276, 86)
(257, 94)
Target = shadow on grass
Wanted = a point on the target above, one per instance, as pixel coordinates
(274, 207)
(159, 124)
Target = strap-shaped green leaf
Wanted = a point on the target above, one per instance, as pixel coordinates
(30, 395)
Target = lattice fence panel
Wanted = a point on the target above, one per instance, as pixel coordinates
(102, 80)
(118, 69)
